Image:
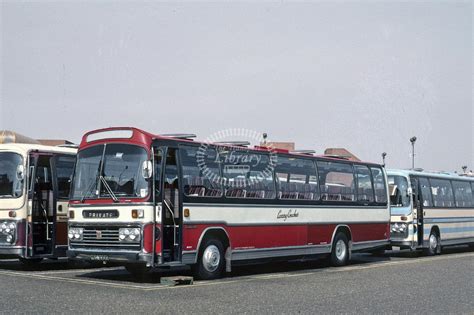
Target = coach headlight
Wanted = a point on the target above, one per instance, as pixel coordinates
(75, 234)
(402, 227)
(129, 234)
(9, 228)
(3, 227)
(395, 227)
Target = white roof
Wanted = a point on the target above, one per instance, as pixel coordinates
(24, 148)
(443, 175)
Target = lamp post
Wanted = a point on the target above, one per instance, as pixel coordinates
(413, 140)
(265, 139)
(384, 154)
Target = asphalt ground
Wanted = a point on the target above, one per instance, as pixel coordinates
(395, 282)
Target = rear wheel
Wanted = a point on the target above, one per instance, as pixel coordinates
(340, 250)
(211, 260)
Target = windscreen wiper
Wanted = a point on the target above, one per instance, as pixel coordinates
(107, 187)
(89, 189)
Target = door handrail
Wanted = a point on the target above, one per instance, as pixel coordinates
(174, 221)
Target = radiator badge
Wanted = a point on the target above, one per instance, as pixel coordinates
(292, 213)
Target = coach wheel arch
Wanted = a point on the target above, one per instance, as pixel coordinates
(214, 233)
(344, 229)
(211, 256)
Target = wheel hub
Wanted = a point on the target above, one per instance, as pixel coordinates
(211, 258)
(433, 241)
(341, 250)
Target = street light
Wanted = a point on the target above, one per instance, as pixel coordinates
(413, 140)
(384, 154)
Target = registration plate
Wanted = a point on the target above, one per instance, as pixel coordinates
(99, 257)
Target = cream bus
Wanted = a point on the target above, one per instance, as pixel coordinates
(34, 191)
(430, 210)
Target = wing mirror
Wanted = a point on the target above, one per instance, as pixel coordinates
(147, 169)
(20, 172)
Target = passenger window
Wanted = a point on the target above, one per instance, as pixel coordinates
(336, 181)
(463, 194)
(379, 185)
(426, 192)
(247, 174)
(296, 179)
(442, 193)
(365, 192)
(200, 170)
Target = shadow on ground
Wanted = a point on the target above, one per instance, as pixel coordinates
(116, 273)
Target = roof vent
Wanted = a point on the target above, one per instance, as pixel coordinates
(188, 136)
(69, 145)
(234, 143)
(307, 152)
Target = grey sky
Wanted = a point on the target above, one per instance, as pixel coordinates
(361, 75)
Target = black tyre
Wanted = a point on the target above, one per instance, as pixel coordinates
(211, 260)
(340, 250)
(139, 271)
(30, 262)
(434, 244)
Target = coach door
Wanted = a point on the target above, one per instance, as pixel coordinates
(171, 204)
(43, 205)
(417, 208)
(63, 166)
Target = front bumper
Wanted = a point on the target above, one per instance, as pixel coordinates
(110, 256)
(402, 244)
(12, 251)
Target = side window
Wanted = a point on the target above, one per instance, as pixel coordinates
(247, 174)
(379, 185)
(442, 193)
(296, 179)
(336, 181)
(200, 170)
(462, 194)
(64, 169)
(365, 192)
(426, 192)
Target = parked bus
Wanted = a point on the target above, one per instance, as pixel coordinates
(149, 201)
(34, 191)
(430, 210)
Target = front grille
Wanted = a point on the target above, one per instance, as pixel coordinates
(103, 237)
(399, 234)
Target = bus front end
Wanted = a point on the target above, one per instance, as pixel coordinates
(403, 223)
(111, 214)
(13, 203)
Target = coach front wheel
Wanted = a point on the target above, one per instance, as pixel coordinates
(340, 250)
(434, 245)
(211, 260)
